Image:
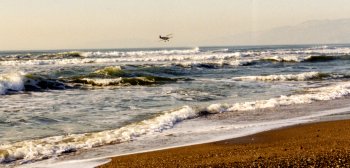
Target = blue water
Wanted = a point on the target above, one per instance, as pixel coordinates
(68, 92)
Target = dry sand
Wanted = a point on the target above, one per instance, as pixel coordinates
(323, 144)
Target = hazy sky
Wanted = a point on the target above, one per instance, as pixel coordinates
(58, 24)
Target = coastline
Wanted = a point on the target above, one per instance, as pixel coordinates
(319, 112)
(198, 95)
(317, 144)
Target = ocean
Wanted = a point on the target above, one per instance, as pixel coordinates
(79, 104)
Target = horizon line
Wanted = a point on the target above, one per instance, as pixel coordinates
(154, 47)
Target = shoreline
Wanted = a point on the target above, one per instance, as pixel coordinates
(321, 111)
(324, 143)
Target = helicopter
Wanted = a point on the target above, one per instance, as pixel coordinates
(165, 38)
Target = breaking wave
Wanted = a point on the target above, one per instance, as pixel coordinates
(301, 58)
(315, 94)
(11, 82)
(19, 81)
(33, 82)
(217, 59)
(165, 59)
(61, 55)
(324, 58)
(124, 81)
(31, 150)
(115, 76)
(141, 53)
(284, 58)
(109, 76)
(211, 64)
(43, 148)
(44, 56)
(286, 77)
(185, 57)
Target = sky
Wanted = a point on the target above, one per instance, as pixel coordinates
(83, 24)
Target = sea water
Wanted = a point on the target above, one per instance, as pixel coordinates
(55, 103)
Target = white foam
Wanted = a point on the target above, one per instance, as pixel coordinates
(55, 61)
(102, 82)
(52, 146)
(328, 51)
(187, 55)
(323, 50)
(287, 77)
(47, 147)
(285, 58)
(141, 53)
(292, 55)
(202, 131)
(218, 63)
(137, 59)
(91, 163)
(317, 94)
(11, 81)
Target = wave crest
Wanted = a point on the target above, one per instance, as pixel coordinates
(124, 81)
(294, 77)
(316, 94)
(51, 146)
(11, 82)
(324, 58)
(47, 147)
(141, 53)
(108, 71)
(19, 81)
(287, 77)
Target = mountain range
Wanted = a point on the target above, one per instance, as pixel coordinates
(310, 32)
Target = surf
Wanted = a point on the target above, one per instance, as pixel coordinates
(32, 150)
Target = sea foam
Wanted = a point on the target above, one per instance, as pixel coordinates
(46, 147)
(196, 55)
(285, 77)
(141, 53)
(202, 57)
(31, 150)
(11, 82)
(316, 94)
(20, 81)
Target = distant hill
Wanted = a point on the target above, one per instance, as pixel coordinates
(310, 32)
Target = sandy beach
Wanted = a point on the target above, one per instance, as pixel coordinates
(319, 144)
(174, 83)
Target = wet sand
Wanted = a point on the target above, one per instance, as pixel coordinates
(319, 144)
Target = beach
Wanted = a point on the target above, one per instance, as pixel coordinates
(87, 84)
(67, 106)
(321, 144)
